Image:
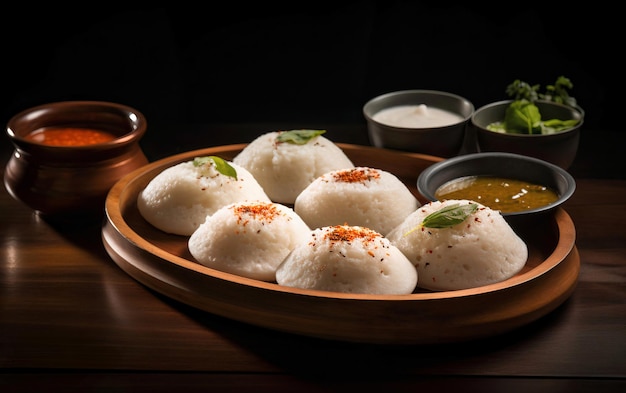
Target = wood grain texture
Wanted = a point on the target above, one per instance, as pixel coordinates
(69, 316)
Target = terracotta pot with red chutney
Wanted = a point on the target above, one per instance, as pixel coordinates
(69, 154)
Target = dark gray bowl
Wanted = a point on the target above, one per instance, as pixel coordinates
(500, 164)
(445, 141)
(559, 148)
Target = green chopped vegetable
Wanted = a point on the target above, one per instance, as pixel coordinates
(520, 90)
(523, 116)
(221, 165)
(448, 216)
(298, 137)
(558, 92)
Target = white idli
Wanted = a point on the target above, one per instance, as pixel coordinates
(249, 239)
(478, 248)
(179, 199)
(361, 196)
(348, 259)
(284, 169)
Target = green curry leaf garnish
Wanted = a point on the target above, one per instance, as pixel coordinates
(448, 216)
(298, 137)
(221, 165)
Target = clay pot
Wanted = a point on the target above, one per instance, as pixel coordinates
(72, 182)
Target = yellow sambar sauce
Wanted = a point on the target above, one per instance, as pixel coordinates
(506, 195)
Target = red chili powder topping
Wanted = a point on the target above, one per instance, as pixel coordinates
(70, 136)
(262, 212)
(356, 175)
(343, 233)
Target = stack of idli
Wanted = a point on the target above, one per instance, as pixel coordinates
(361, 196)
(459, 244)
(286, 162)
(348, 259)
(249, 239)
(179, 199)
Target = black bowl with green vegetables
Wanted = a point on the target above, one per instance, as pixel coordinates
(545, 126)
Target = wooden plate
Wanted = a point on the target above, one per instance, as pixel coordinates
(162, 262)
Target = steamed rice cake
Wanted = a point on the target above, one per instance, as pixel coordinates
(249, 239)
(286, 162)
(453, 247)
(179, 199)
(362, 196)
(348, 259)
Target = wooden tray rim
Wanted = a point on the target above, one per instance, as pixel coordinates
(564, 251)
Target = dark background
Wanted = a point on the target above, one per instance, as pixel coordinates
(306, 64)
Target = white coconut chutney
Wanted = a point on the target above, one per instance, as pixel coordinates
(416, 116)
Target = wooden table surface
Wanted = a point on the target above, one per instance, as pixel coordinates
(72, 320)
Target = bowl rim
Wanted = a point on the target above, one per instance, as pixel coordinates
(371, 101)
(426, 174)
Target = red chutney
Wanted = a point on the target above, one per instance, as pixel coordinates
(70, 136)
